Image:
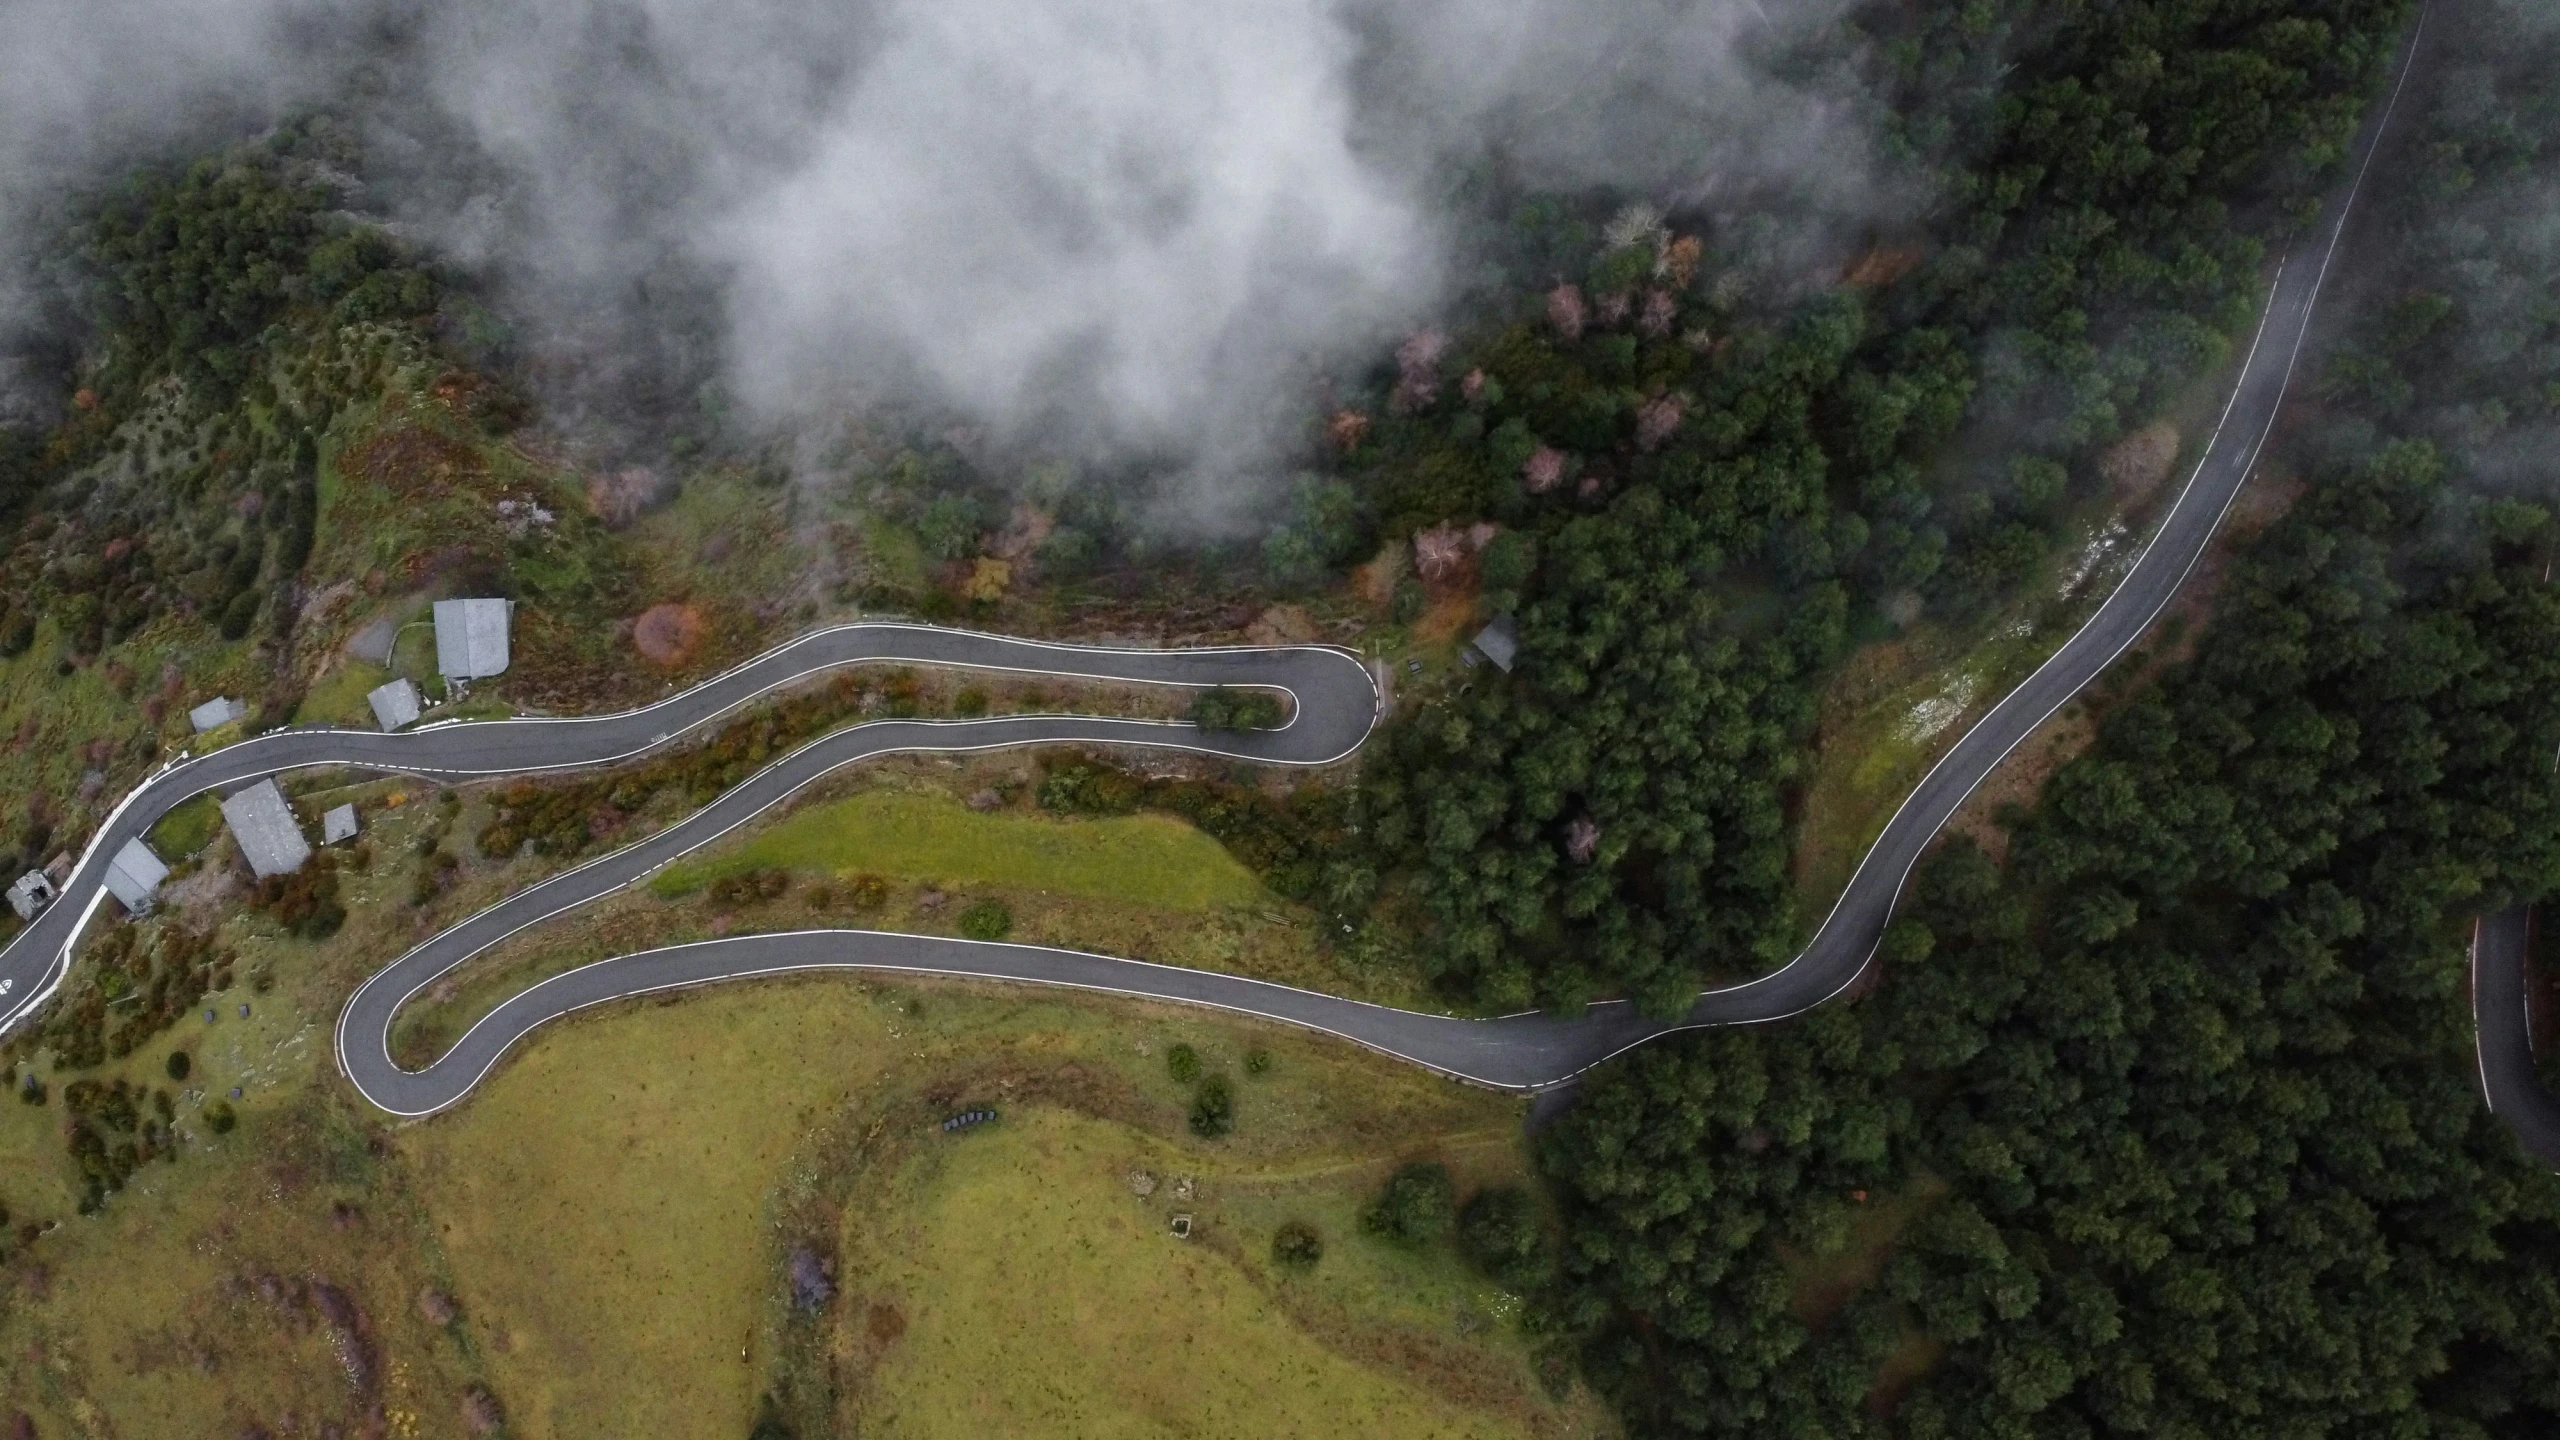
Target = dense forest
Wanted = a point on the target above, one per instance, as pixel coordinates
(1722, 478)
(2172, 1120)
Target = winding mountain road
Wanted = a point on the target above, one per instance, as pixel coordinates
(2503, 1029)
(1336, 705)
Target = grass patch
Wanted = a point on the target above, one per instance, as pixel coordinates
(187, 829)
(1147, 859)
(1136, 1323)
(896, 558)
(1894, 708)
(338, 698)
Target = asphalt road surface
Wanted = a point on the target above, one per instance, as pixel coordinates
(2499, 947)
(1336, 704)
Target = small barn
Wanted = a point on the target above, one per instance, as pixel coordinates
(31, 893)
(338, 825)
(268, 835)
(134, 875)
(215, 713)
(471, 638)
(1498, 642)
(394, 705)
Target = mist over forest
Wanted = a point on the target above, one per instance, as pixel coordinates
(1109, 232)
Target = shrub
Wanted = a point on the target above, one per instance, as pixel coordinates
(1415, 1208)
(1297, 1245)
(220, 1118)
(237, 616)
(1257, 1061)
(1183, 1063)
(866, 892)
(986, 920)
(970, 703)
(1219, 708)
(1213, 1110)
(31, 1091)
(730, 891)
(179, 1065)
(305, 902)
(1501, 1232)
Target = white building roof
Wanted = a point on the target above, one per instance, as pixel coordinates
(394, 705)
(215, 713)
(338, 824)
(471, 638)
(134, 874)
(270, 838)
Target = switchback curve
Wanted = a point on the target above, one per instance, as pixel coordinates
(1334, 713)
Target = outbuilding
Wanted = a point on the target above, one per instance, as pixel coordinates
(215, 713)
(270, 838)
(471, 638)
(1498, 642)
(338, 825)
(31, 893)
(134, 875)
(394, 705)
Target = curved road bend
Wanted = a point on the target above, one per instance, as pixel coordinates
(1519, 1052)
(2503, 1026)
(1335, 705)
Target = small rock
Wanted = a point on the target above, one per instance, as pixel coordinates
(932, 900)
(1141, 1184)
(985, 800)
(1184, 1187)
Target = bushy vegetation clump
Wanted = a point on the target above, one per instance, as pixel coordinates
(986, 920)
(1220, 709)
(1297, 1245)
(1415, 1208)
(1213, 1107)
(305, 902)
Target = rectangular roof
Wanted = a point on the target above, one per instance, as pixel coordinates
(338, 824)
(215, 713)
(471, 638)
(1499, 642)
(134, 874)
(263, 824)
(394, 705)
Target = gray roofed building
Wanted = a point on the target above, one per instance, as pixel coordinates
(215, 713)
(134, 874)
(32, 892)
(471, 638)
(1498, 642)
(339, 824)
(394, 705)
(263, 824)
